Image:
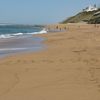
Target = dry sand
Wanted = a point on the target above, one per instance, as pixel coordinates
(68, 70)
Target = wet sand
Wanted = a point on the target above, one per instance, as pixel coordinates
(16, 45)
(68, 70)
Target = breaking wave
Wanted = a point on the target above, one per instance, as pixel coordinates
(4, 36)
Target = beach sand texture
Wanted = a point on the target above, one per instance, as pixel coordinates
(68, 70)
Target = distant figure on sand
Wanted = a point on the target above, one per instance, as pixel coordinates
(56, 27)
(60, 29)
(65, 28)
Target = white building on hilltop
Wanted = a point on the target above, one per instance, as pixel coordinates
(90, 8)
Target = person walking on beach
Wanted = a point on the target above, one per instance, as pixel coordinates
(56, 27)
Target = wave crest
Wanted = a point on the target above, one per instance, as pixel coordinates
(4, 36)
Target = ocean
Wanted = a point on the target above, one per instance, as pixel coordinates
(19, 39)
(8, 31)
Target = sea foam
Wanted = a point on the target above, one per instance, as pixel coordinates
(4, 36)
(13, 49)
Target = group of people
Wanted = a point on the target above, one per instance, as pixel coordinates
(57, 28)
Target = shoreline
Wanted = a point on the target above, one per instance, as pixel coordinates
(18, 45)
(68, 69)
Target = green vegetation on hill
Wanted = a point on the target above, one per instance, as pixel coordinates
(88, 17)
(95, 19)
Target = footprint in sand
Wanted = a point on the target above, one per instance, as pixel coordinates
(47, 61)
(95, 76)
(33, 61)
(8, 81)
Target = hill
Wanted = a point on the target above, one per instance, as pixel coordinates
(95, 19)
(88, 17)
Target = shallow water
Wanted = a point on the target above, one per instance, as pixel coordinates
(20, 45)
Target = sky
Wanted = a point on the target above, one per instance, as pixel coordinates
(40, 11)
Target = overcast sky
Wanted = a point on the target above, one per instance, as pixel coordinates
(40, 11)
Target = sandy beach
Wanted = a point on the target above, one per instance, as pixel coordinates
(69, 69)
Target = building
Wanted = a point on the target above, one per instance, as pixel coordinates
(90, 8)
